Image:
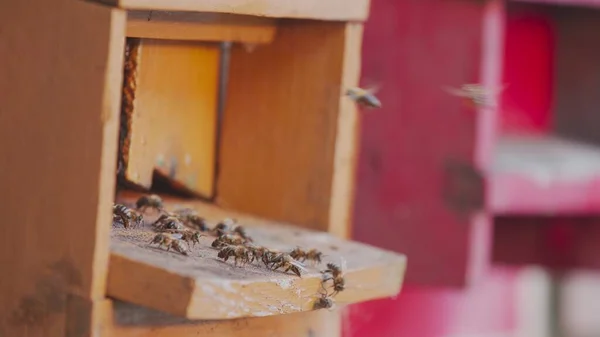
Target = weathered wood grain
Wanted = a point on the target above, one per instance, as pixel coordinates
(59, 92)
(343, 10)
(203, 287)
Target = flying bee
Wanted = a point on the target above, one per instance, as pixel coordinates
(324, 301)
(334, 273)
(311, 255)
(167, 222)
(149, 201)
(129, 217)
(476, 95)
(241, 231)
(286, 262)
(364, 97)
(240, 253)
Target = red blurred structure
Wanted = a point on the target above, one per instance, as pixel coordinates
(457, 188)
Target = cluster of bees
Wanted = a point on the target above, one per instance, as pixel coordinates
(180, 229)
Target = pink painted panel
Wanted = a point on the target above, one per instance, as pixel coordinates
(486, 309)
(420, 186)
(526, 103)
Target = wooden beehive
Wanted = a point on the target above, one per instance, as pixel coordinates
(237, 105)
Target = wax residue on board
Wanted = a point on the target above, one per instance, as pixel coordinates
(284, 284)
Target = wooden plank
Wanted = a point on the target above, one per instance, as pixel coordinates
(346, 141)
(128, 320)
(424, 154)
(204, 287)
(343, 10)
(200, 26)
(173, 127)
(58, 119)
(280, 151)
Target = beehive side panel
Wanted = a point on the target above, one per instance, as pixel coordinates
(58, 120)
(280, 125)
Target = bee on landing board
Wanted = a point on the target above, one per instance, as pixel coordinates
(323, 301)
(190, 218)
(287, 263)
(170, 242)
(364, 97)
(191, 236)
(179, 247)
(227, 239)
(241, 254)
(476, 95)
(128, 217)
(335, 274)
(312, 255)
(167, 222)
(196, 222)
(149, 201)
(161, 239)
(241, 231)
(224, 226)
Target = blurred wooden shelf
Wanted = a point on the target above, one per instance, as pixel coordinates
(346, 10)
(128, 320)
(544, 175)
(201, 286)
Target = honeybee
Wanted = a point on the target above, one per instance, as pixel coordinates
(364, 97)
(240, 253)
(161, 239)
(190, 218)
(196, 222)
(185, 211)
(324, 301)
(285, 261)
(241, 231)
(224, 226)
(191, 236)
(475, 94)
(334, 273)
(129, 217)
(302, 255)
(167, 222)
(149, 201)
(227, 239)
(178, 246)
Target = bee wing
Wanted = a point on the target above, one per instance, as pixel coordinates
(177, 236)
(343, 265)
(455, 92)
(372, 89)
(499, 89)
(300, 266)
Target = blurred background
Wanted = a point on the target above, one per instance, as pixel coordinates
(496, 204)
